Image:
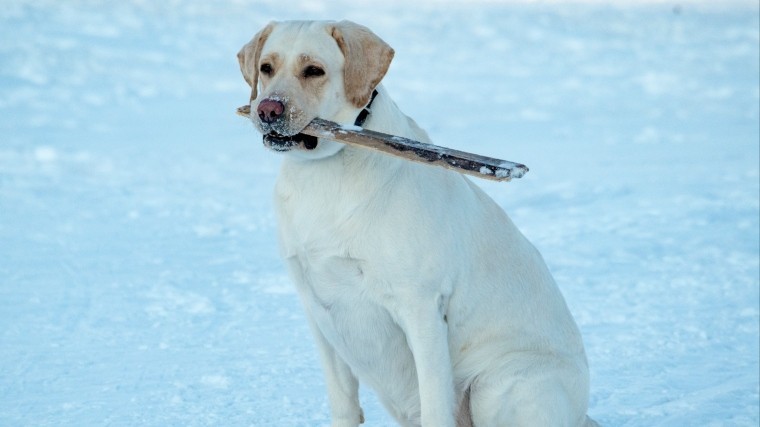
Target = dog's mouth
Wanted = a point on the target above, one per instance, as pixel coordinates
(282, 143)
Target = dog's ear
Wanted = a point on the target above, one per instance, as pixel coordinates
(367, 60)
(249, 55)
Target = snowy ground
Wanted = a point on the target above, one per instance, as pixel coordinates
(139, 277)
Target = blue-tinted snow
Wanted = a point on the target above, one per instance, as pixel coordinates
(139, 276)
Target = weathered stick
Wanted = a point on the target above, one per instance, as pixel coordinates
(461, 161)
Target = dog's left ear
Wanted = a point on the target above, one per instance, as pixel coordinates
(367, 60)
(249, 56)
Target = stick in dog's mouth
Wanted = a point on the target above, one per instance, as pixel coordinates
(409, 149)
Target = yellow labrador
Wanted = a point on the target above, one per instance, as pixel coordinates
(414, 281)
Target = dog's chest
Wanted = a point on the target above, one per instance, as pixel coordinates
(344, 298)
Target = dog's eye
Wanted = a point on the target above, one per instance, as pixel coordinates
(266, 69)
(313, 71)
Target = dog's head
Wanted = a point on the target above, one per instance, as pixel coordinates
(301, 70)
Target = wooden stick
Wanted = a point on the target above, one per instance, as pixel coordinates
(460, 161)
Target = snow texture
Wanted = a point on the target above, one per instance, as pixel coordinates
(139, 278)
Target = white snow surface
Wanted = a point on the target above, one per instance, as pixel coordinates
(139, 278)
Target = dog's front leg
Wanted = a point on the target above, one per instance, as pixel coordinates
(421, 316)
(342, 385)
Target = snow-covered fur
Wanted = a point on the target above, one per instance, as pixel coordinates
(414, 281)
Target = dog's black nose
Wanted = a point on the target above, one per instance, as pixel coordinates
(270, 110)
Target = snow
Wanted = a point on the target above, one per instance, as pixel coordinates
(502, 173)
(485, 171)
(139, 278)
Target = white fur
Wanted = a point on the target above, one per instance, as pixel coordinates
(414, 281)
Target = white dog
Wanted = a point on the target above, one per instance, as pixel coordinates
(414, 281)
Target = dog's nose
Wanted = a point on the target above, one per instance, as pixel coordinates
(269, 110)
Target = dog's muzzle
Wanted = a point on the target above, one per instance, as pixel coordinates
(283, 143)
(271, 113)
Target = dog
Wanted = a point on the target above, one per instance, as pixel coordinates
(414, 282)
